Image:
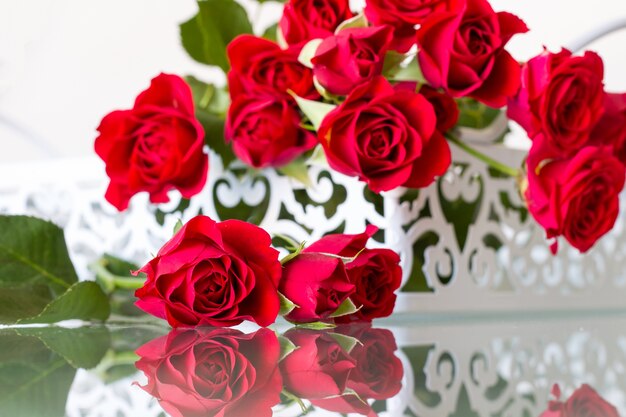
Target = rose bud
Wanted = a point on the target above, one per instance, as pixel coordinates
(213, 372)
(462, 51)
(577, 197)
(403, 16)
(213, 274)
(385, 137)
(317, 284)
(155, 147)
(584, 402)
(611, 128)
(562, 97)
(260, 68)
(266, 132)
(304, 20)
(318, 367)
(351, 57)
(375, 273)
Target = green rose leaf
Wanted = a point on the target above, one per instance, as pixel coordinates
(286, 305)
(345, 308)
(37, 367)
(206, 35)
(475, 115)
(38, 283)
(315, 111)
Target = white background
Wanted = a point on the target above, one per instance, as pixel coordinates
(66, 63)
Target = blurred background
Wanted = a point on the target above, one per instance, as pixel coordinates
(64, 64)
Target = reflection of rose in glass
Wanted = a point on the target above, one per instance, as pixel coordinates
(341, 370)
(213, 372)
(377, 374)
(584, 402)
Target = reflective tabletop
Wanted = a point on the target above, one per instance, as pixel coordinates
(555, 365)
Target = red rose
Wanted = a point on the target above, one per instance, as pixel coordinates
(375, 273)
(611, 129)
(317, 284)
(213, 372)
(155, 147)
(259, 67)
(266, 132)
(562, 97)
(576, 197)
(462, 51)
(215, 274)
(318, 368)
(351, 57)
(446, 109)
(385, 137)
(304, 20)
(584, 402)
(403, 16)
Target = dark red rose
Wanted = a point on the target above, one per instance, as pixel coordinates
(403, 16)
(611, 129)
(213, 372)
(375, 273)
(462, 51)
(385, 137)
(575, 197)
(317, 284)
(260, 68)
(215, 274)
(304, 20)
(562, 97)
(318, 368)
(378, 372)
(446, 109)
(351, 57)
(266, 132)
(584, 402)
(155, 147)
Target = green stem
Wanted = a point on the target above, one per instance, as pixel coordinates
(111, 282)
(504, 169)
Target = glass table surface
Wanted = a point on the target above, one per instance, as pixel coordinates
(549, 365)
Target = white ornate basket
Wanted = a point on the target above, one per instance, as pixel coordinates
(467, 244)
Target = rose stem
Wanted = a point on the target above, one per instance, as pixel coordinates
(110, 281)
(504, 169)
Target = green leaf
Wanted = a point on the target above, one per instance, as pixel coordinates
(208, 97)
(83, 300)
(475, 115)
(358, 21)
(410, 72)
(286, 305)
(206, 35)
(82, 347)
(392, 62)
(214, 136)
(38, 283)
(316, 325)
(271, 33)
(33, 251)
(345, 308)
(308, 52)
(315, 111)
(292, 255)
(286, 347)
(298, 170)
(37, 367)
(318, 157)
(347, 343)
(178, 226)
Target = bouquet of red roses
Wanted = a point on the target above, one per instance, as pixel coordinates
(377, 94)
